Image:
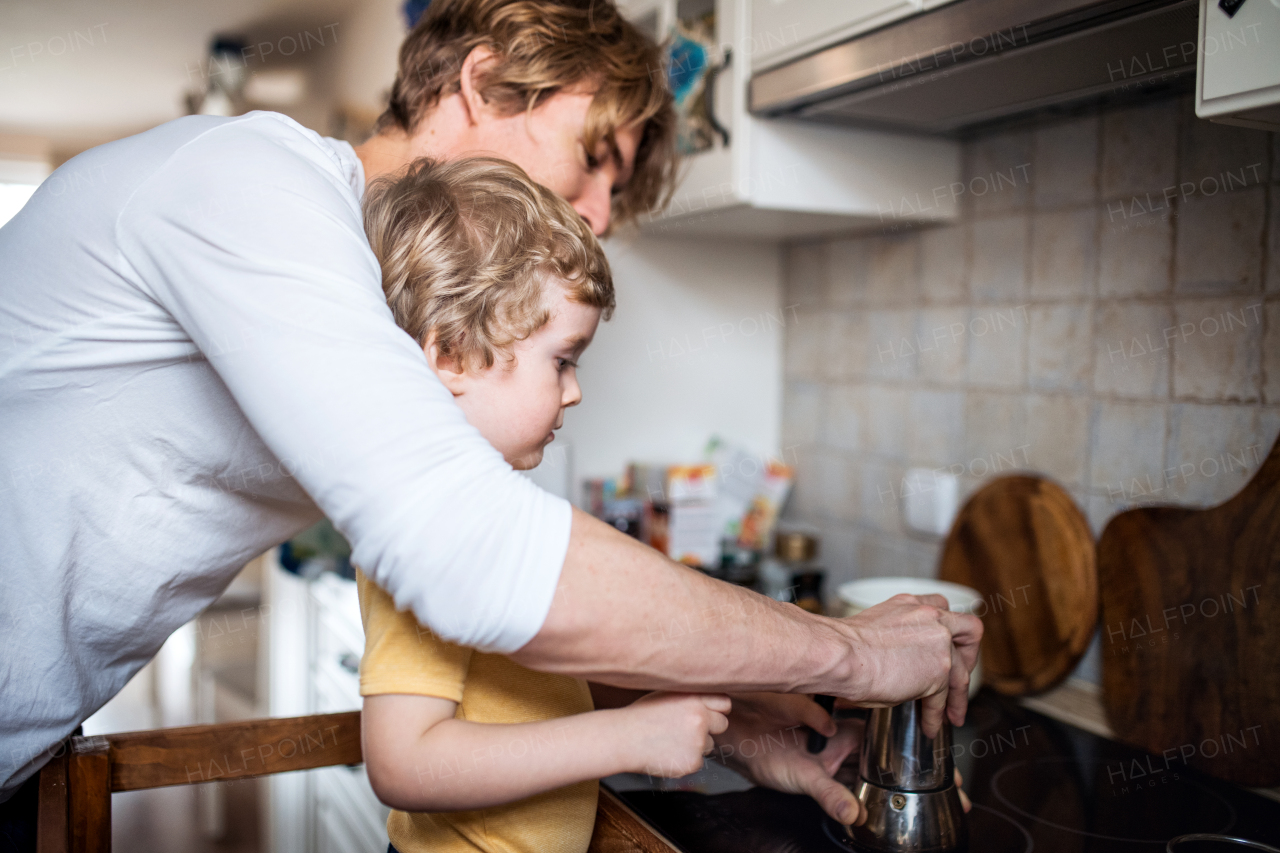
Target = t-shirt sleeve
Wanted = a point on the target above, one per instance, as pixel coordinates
(251, 239)
(403, 656)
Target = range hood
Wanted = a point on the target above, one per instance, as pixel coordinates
(973, 62)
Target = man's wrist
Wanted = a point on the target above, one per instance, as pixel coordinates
(841, 665)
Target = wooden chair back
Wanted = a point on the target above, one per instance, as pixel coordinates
(76, 787)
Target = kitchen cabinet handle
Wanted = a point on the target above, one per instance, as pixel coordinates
(349, 662)
(710, 96)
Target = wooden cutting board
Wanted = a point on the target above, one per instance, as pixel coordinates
(1022, 542)
(1191, 632)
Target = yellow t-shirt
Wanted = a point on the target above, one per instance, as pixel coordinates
(400, 656)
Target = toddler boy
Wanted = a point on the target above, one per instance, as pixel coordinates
(502, 284)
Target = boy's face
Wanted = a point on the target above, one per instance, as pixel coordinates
(519, 401)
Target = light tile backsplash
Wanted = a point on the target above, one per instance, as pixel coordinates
(1106, 313)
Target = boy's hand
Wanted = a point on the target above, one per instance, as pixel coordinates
(667, 734)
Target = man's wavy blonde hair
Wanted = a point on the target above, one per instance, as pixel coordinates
(469, 249)
(542, 47)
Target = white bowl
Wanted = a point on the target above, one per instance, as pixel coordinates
(857, 596)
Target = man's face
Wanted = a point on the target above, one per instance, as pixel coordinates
(547, 143)
(519, 402)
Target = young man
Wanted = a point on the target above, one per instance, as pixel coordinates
(197, 362)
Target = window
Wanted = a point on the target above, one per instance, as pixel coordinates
(12, 198)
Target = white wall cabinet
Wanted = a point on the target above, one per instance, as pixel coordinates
(315, 640)
(777, 179)
(1238, 65)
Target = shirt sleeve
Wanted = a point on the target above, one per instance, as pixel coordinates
(402, 656)
(251, 239)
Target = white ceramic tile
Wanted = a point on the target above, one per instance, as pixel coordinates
(838, 487)
(878, 556)
(1271, 355)
(802, 409)
(887, 421)
(838, 554)
(891, 350)
(1057, 430)
(893, 271)
(1139, 149)
(1064, 253)
(805, 273)
(1213, 452)
(1219, 243)
(997, 351)
(942, 336)
(847, 272)
(944, 264)
(1127, 449)
(1133, 349)
(1268, 427)
(1100, 509)
(845, 417)
(935, 428)
(995, 434)
(1066, 162)
(805, 502)
(1217, 351)
(1273, 238)
(804, 344)
(998, 172)
(845, 353)
(1060, 342)
(881, 489)
(1220, 157)
(1135, 255)
(826, 484)
(998, 248)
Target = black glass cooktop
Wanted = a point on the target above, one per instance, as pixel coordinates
(1036, 785)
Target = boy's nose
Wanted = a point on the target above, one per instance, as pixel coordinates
(572, 394)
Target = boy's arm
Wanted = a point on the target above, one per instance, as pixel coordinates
(420, 758)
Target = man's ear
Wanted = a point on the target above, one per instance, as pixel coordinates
(447, 368)
(478, 61)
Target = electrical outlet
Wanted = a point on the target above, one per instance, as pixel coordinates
(930, 500)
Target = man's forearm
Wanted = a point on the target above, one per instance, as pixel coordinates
(624, 614)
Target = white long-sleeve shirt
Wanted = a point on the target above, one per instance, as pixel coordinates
(196, 362)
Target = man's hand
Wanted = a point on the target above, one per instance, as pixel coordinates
(918, 650)
(767, 740)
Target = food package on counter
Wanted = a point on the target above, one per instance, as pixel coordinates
(694, 523)
(646, 481)
(752, 490)
(596, 492)
(762, 514)
(626, 514)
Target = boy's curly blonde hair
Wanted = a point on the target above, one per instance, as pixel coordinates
(468, 249)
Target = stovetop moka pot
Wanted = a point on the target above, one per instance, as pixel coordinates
(907, 787)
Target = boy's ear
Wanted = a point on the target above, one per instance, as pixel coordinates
(447, 368)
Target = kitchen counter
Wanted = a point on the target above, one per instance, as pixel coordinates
(1036, 784)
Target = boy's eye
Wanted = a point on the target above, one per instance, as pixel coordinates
(562, 363)
(593, 162)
